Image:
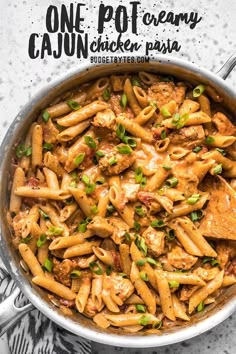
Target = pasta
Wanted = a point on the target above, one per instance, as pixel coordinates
(122, 202)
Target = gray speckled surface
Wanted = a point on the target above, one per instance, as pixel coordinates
(209, 45)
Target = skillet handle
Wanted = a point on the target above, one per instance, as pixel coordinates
(9, 313)
(227, 67)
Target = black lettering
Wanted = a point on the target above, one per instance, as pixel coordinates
(134, 15)
(33, 54)
(69, 44)
(46, 45)
(57, 54)
(67, 21)
(82, 46)
(52, 21)
(105, 15)
(79, 19)
(121, 24)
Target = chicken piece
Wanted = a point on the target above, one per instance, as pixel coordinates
(117, 82)
(114, 163)
(62, 270)
(220, 214)
(206, 274)
(50, 132)
(150, 201)
(223, 124)
(231, 268)
(130, 191)
(105, 119)
(188, 136)
(164, 92)
(187, 291)
(90, 309)
(225, 251)
(122, 287)
(155, 241)
(83, 262)
(180, 259)
(120, 229)
(101, 226)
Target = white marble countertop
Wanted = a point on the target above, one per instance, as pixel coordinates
(210, 44)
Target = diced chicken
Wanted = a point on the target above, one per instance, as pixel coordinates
(114, 163)
(223, 124)
(164, 92)
(130, 191)
(231, 268)
(117, 82)
(189, 136)
(205, 273)
(50, 132)
(225, 252)
(187, 291)
(150, 201)
(105, 119)
(155, 241)
(180, 259)
(121, 286)
(62, 270)
(101, 226)
(120, 228)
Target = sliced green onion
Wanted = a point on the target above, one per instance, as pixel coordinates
(106, 94)
(28, 151)
(193, 199)
(207, 260)
(55, 230)
(127, 237)
(112, 161)
(26, 239)
(79, 158)
(172, 182)
(47, 265)
(135, 82)
(75, 274)
(90, 142)
(123, 101)
(111, 208)
(196, 215)
(179, 121)
(197, 149)
(198, 90)
(141, 244)
(74, 176)
(200, 307)
(173, 284)
(73, 105)
(153, 104)
(41, 241)
(138, 175)
(221, 151)
(120, 131)
(94, 209)
(82, 227)
(139, 210)
(47, 146)
(100, 153)
(109, 270)
(85, 179)
(90, 188)
(123, 275)
(218, 169)
(215, 262)
(95, 268)
(141, 262)
(167, 168)
(137, 226)
(170, 236)
(144, 276)
(144, 320)
(100, 180)
(163, 134)
(43, 214)
(157, 325)
(165, 112)
(143, 182)
(209, 140)
(140, 308)
(158, 223)
(46, 116)
(20, 150)
(124, 149)
(130, 141)
(152, 261)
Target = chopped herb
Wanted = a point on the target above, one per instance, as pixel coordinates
(43, 214)
(120, 131)
(141, 244)
(73, 105)
(69, 201)
(173, 284)
(75, 274)
(124, 149)
(138, 175)
(135, 82)
(95, 268)
(109, 270)
(100, 153)
(163, 134)
(47, 265)
(141, 262)
(152, 262)
(74, 176)
(218, 169)
(95, 160)
(100, 180)
(123, 275)
(55, 231)
(167, 168)
(143, 182)
(90, 187)
(130, 141)
(157, 325)
(158, 223)
(175, 119)
(82, 227)
(60, 127)
(139, 210)
(137, 226)
(112, 161)
(144, 276)
(79, 159)
(28, 151)
(197, 149)
(221, 151)
(179, 121)
(111, 208)
(140, 308)
(85, 179)
(90, 142)
(106, 94)
(127, 237)
(47, 146)
(94, 209)
(144, 320)
(123, 101)
(172, 182)
(209, 140)
(170, 236)
(46, 116)
(165, 112)
(193, 199)
(26, 239)
(214, 262)
(22, 150)
(196, 215)
(200, 307)
(153, 104)
(41, 240)
(198, 90)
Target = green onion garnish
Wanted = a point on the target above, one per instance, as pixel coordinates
(221, 151)
(196, 215)
(48, 265)
(111, 208)
(141, 244)
(141, 262)
(200, 307)
(106, 94)
(94, 209)
(26, 239)
(123, 275)
(218, 169)
(100, 153)
(165, 112)
(139, 210)
(46, 116)
(173, 284)
(120, 131)
(28, 151)
(143, 276)
(75, 274)
(209, 140)
(43, 214)
(197, 149)
(41, 241)
(47, 146)
(124, 149)
(158, 223)
(22, 150)
(198, 90)
(79, 158)
(90, 142)
(172, 182)
(179, 121)
(130, 141)
(144, 320)
(138, 175)
(140, 308)
(95, 268)
(123, 101)
(55, 230)
(109, 270)
(214, 262)
(135, 82)
(163, 134)
(73, 105)
(137, 226)
(170, 236)
(127, 237)
(112, 161)
(193, 199)
(167, 168)
(152, 262)
(153, 104)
